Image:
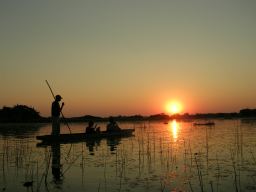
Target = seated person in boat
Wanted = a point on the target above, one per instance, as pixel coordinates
(91, 128)
(112, 126)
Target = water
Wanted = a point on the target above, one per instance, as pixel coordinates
(159, 157)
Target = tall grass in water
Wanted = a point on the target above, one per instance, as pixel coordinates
(153, 160)
(19, 160)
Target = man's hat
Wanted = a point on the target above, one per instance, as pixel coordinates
(58, 97)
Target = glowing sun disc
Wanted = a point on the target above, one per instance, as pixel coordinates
(173, 107)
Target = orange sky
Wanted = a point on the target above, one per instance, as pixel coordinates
(129, 57)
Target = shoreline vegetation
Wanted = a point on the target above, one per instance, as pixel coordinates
(25, 114)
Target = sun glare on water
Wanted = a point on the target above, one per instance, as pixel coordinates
(174, 129)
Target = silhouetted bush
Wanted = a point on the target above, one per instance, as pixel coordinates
(19, 113)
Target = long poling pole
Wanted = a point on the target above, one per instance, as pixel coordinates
(61, 111)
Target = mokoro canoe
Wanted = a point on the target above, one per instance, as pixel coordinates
(84, 136)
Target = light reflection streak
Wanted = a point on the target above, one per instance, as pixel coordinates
(174, 129)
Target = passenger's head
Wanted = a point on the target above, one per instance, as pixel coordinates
(90, 123)
(111, 120)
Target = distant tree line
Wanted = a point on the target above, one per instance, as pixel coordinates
(247, 112)
(23, 113)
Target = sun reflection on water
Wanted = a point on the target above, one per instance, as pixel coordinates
(174, 129)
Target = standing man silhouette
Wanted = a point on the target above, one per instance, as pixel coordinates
(56, 110)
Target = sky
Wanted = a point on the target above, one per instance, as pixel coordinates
(126, 57)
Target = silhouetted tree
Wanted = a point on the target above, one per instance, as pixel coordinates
(160, 116)
(19, 113)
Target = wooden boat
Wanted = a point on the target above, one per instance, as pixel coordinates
(74, 137)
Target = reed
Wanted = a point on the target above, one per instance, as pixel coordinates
(252, 156)
(162, 185)
(211, 185)
(3, 165)
(190, 187)
(218, 173)
(105, 172)
(98, 187)
(199, 173)
(232, 153)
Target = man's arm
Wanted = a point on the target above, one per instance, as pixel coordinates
(62, 105)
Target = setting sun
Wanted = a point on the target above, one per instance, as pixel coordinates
(173, 107)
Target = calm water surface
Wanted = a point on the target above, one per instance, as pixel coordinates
(173, 156)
